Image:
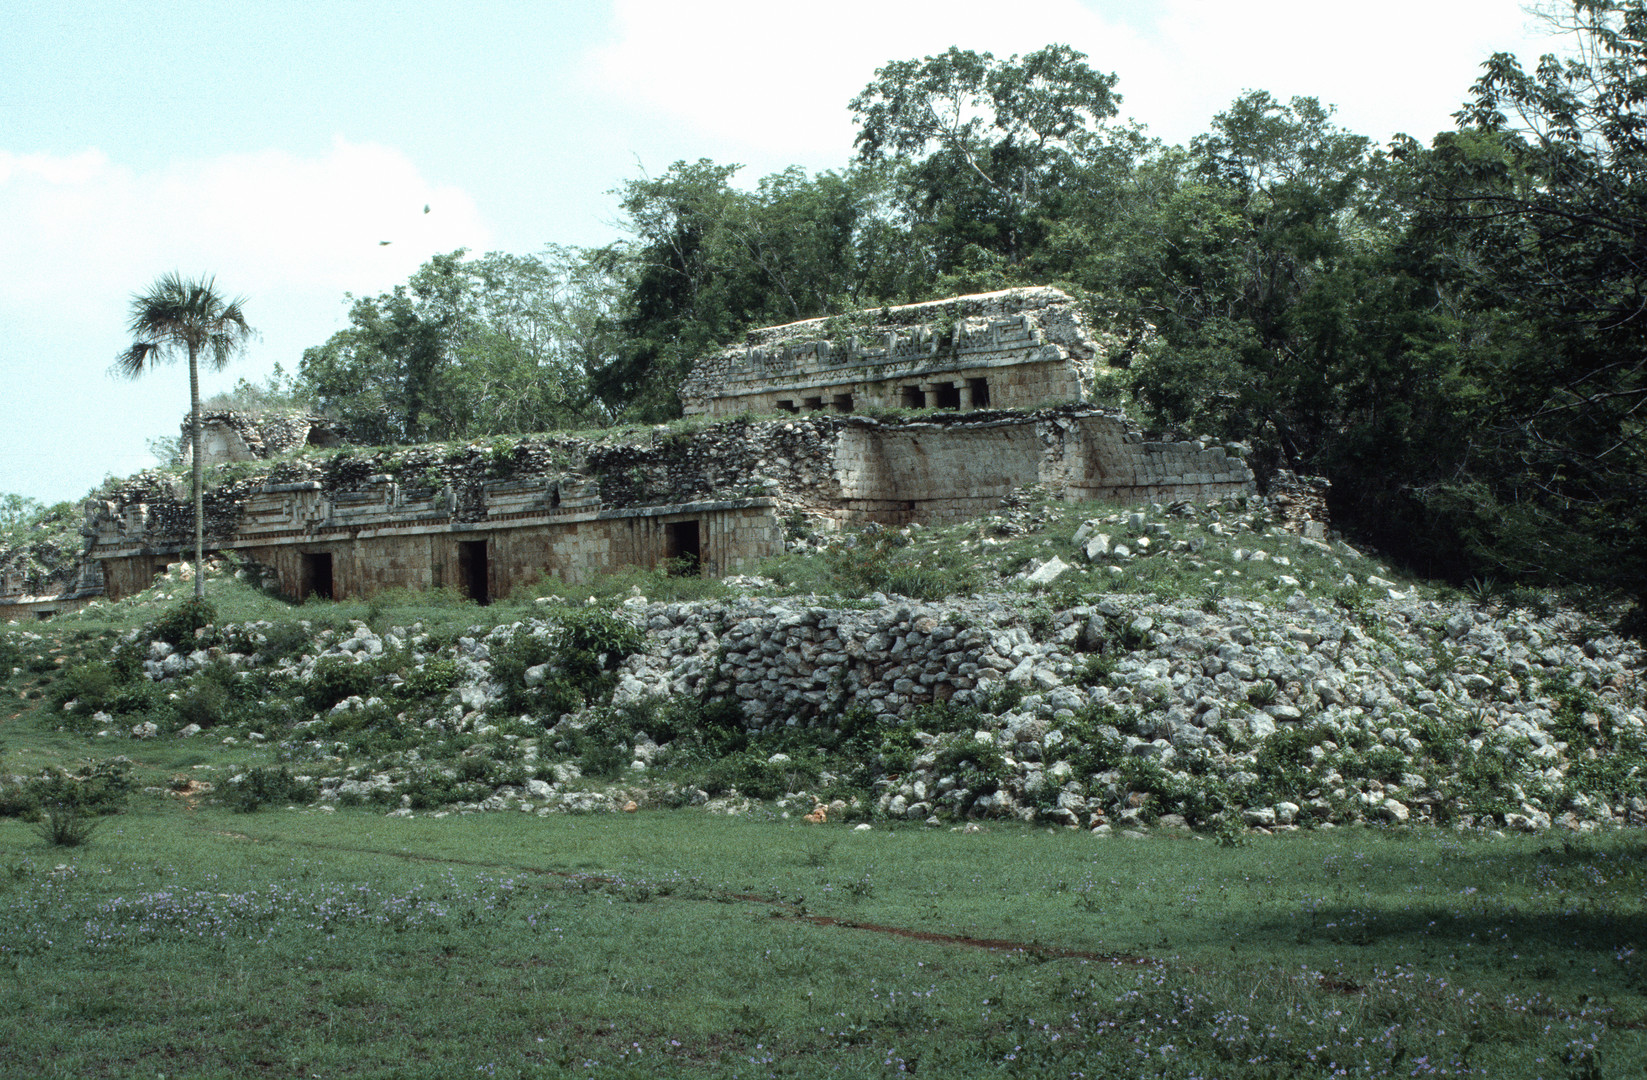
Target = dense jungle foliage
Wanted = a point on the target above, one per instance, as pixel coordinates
(1450, 332)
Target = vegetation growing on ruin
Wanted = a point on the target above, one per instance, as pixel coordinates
(296, 794)
(1435, 326)
(38, 544)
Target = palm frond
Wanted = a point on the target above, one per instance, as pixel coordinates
(177, 317)
(135, 360)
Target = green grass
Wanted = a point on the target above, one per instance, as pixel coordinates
(930, 563)
(187, 940)
(202, 943)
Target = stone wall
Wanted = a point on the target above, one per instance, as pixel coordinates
(421, 517)
(238, 436)
(1016, 349)
(729, 537)
(954, 468)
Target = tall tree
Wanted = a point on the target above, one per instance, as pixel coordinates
(987, 148)
(467, 347)
(1539, 205)
(192, 319)
(706, 260)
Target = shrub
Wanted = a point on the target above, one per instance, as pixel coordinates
(939, 717)
(601, 761)
(89, 685)
(1355, 598)
(509, 664)
(11, 655)
(430, 680)
(206, 702)
(586, 646)
(1442, 738)
(898, 748)
(597, 639)
(1568, 722)
(1481, 783)
(1283, 762)
(101, 788)
(178, 625)
(1093, 742)
(1620, 774)
(753, 775)
(1003, 697)
(336, 678)
(430, 788)
(65, 825)
(263, 786)
(283, 640)
(978, 767)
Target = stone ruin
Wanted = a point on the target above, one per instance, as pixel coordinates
(1014, 349)
(237, 436)
(488, 518)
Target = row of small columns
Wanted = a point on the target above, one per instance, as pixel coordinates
(973, 394)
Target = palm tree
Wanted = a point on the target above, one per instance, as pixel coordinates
(189, 318)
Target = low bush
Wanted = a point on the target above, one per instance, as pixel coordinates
(1283, 763)
(584, 647)
(88, 686)
(265, 786)
(336, 678)
(284, 640)
(100, 788)
(181, 623)
(1092, 741)
(751, 773)
(65, 825)
(205, 702)
(430, 679)
(11, 654)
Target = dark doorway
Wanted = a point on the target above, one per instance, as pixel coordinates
(947, 396)
(914, 397)
(473, 571)
(843, 402)
(980, 392)
(317, 575)
(681, 548)
(788, 407)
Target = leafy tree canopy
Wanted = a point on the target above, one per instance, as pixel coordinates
(467, 347)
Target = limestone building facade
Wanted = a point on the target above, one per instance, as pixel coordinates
(488, 519)
(714, 501)
(1014, 349)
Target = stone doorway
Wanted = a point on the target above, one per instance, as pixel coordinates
(317, 576)
(474, 575)
(682, 547)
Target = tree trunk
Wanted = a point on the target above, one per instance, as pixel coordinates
(198, 473)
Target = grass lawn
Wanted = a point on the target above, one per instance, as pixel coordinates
(197, 942)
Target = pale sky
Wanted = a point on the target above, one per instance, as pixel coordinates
(276, 145)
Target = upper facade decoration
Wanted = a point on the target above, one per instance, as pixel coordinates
(1014, 349)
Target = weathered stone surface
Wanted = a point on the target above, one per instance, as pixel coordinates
(420, 517)
(1018, 348)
